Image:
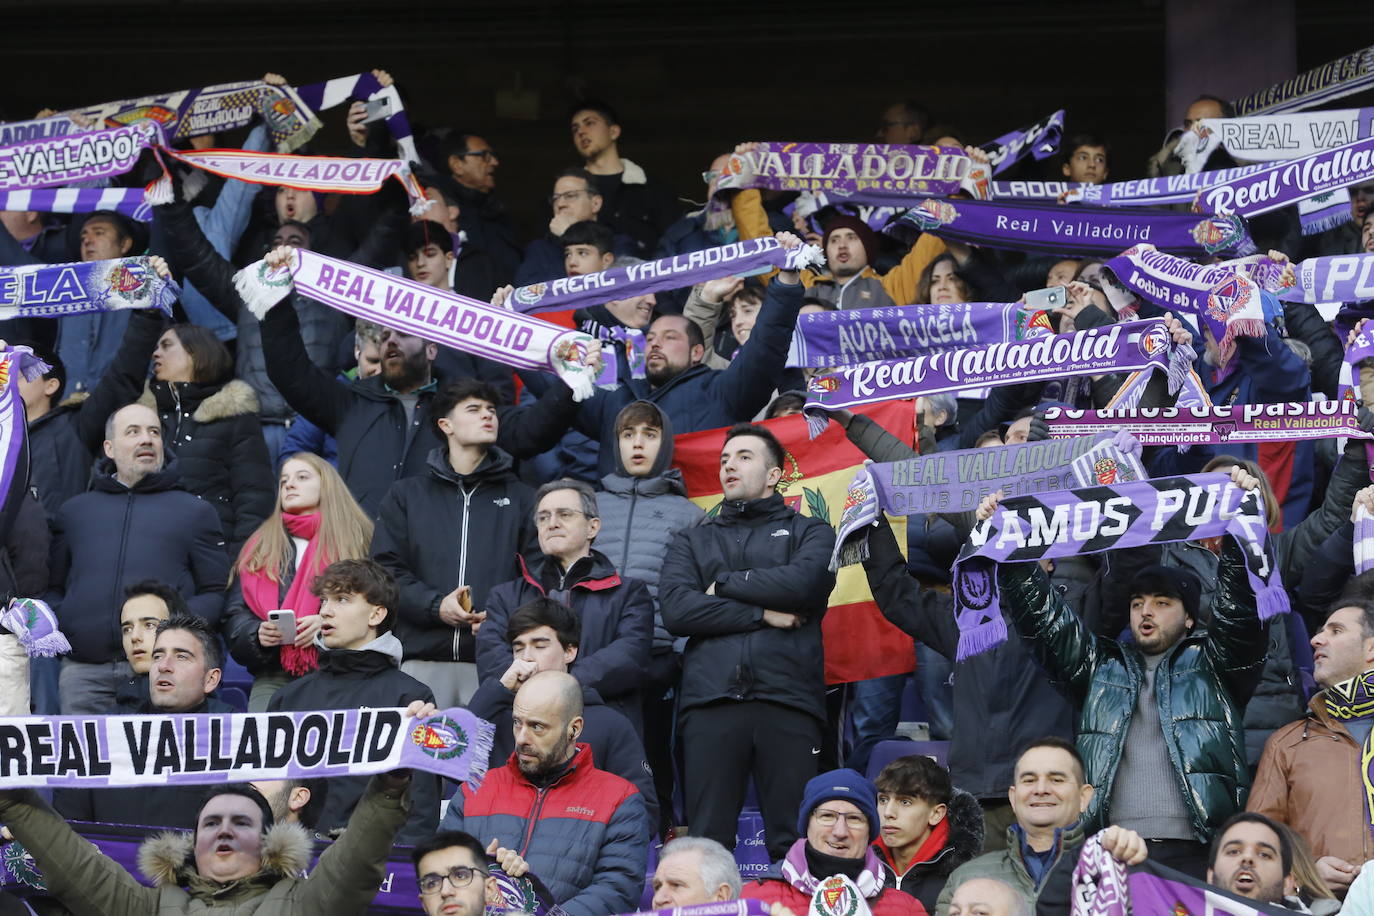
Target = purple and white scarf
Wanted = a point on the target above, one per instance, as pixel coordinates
(676, 272)
(1040, 140)
(1215, 425)
(1223, 296)
(1122, 347)
(845, 337)
(1286, 183)
(1332, 80)
(33, 623)
(1054, 229)
(131, 202)
(1099, 883)
(1364, 539)
(744, 906)
(77, 157)
(1136, 192)
(363, 87)
(797, 873)
(1108, 517)
(54, 290)
(1274, 138)
(957, 481)
(875, 173)
(441, 316)
(1334, 278)
(1357, 351)
(16, 364)
(186, 749)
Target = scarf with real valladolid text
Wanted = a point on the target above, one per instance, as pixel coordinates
(1108, 517)
(874, 173)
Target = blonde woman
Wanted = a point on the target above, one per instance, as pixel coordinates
(316, 522)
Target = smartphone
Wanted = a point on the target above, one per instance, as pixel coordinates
(378, 108)
(1051, 297)
(285, 621)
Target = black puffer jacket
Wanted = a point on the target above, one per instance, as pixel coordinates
(759, 554)
(925, 880)
(113, 536)
(368, 421)
(486, 518)
(216, 435)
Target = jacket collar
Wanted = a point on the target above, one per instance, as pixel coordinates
(669, 483)
(595, 573)
(582, 760)
(754, 511)
(494, 466)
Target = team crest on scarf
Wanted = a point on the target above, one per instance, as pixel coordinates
(1106, 471)
(1154, 340)
(932, 214)
(530, 295)
(150, 113)
(1033, 324)
(1217, 233)
(440, 737)
(824, 384)
(837, 896)
(1227, 298)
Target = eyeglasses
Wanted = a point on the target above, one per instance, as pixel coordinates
(827, 818)
(564, 516)
(565, 195)
(459, 876)
(483, 153)
(709, 176)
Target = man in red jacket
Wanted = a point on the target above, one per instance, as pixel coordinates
(839, 820)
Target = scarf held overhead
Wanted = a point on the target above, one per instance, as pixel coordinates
(1108, 517)
(676, 272)
(1286, 183)
(1332, 80)
(1215, 425)
(1041, 140)
(54, 290)
(108, 750)
(1274, 138)
(1055, 229)
(873, 173)
(844, 337)
(1122, 347)
(440, 316)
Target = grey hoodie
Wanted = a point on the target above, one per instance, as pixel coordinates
(640, 515)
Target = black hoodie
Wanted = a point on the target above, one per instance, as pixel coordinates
(444, 529)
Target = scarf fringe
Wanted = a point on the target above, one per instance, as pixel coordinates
(816, 422)
(159, 192)
(257, 293)
(853, 551)
(301, 136)
(982, 638)
(804, 257)
(49, 646)
(481, 740)
(1318, 223)
(1271, 602)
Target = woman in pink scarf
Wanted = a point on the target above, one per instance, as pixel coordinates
(315, 523)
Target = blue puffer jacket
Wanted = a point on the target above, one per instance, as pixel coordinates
(586, 835)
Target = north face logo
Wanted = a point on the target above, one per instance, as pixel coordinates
(781, 533)
(503, 501)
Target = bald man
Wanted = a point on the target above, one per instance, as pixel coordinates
(988, 897)
(590, 838)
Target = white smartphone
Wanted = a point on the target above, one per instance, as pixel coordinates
(1051, 297)
(285, 621)
(377, 109)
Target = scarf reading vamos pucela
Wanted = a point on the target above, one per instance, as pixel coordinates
(1110, 517)
(1332, 80)
(923, 485)
(845, 337)
(1274, 138)
(1054, 229)
(204, 749)
(54, 290)
(1221, 296)
(1040, 140)
(676, 272)
(1215, 425)
(875, 173)
(440, 316)
(1285, 183)
(1122, 347)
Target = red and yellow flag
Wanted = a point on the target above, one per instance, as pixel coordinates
(859, 642)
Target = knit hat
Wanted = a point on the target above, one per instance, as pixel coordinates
(1169, 582)
(865, 234)
(840, 785)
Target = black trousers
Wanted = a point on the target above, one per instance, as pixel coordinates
(723, 744)
(1187, 856)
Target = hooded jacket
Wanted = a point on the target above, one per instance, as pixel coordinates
(353, 679)
(113, 536)
(925, 880)
(377, 447)
(617, 624)
(1201, 686)
(639, 515)
(486, 521)
(759, 554)
(585, 834)
(344, 881)
(216, 434)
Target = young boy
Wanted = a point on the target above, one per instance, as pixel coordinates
(360, 662)
(588, 247)
(927, 827)
(1086, 159)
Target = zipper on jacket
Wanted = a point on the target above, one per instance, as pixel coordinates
(462, 558)
(176, 409)
(539, 796)
(629, 526)
(123, 544)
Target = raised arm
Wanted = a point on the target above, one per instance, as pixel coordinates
(346, 878)
(921, 613)
(745, 387)
(311, 391)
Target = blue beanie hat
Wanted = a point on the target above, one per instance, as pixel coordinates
(840, 785)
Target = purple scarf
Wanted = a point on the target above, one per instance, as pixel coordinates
(844, 337)
(1285, 183)
(1054, 229)
(1108, 517)
(211, 748)
(1215, 425)
(1337, 278)
(1359, 350)
(956, 481)
(1099, 883)
(1122, 347)
(667, 273)
(363, 87)
(1041, 140)
(874, 173)
(131, 202)
(54, 290)
(1332, 80)
(1138, 192)
(77, 157)
(797, 873)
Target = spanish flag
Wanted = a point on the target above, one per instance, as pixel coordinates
(859, 642)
